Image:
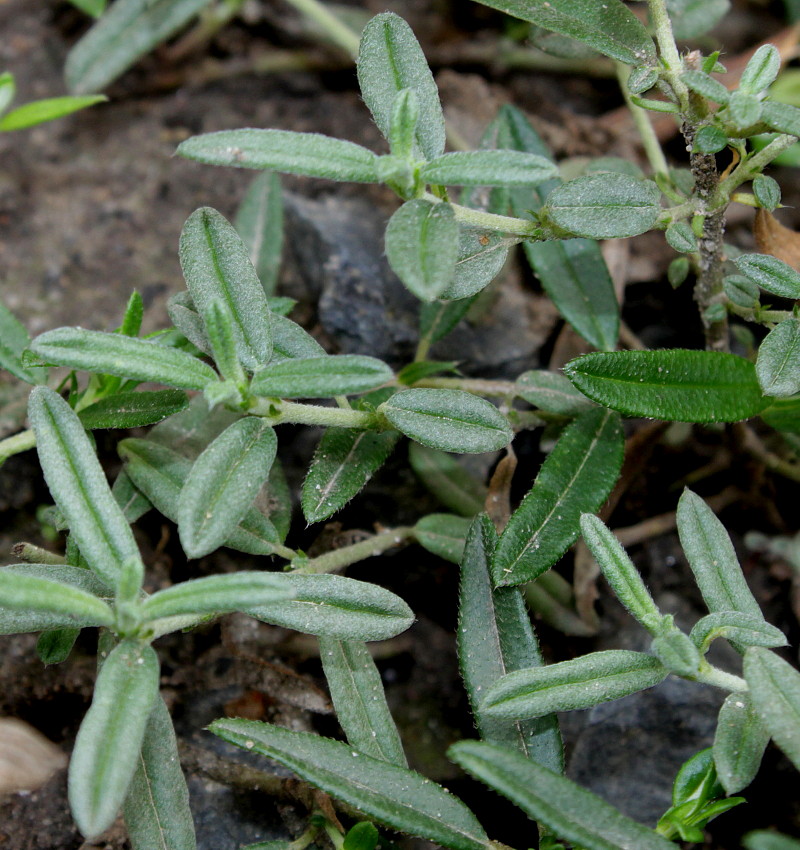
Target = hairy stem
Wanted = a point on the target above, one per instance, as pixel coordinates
(650, 142)
(279, 411)
(18, 443)
(338, 559)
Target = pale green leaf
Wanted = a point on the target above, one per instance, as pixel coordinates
(489, 168)
(739, 743)
(321, 377)
(443, 535)
(778, 362)
(259, 221)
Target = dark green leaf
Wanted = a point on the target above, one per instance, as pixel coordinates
(771, 274)
(449, 420)
(362, 836)
(259, 221)
(741, 291)
(739, 743)
(134, 503)
(79, 486)
(675, 650)
(438, 319)
(55, 646)
(321, 377)
(775, 692)
(40, 111)
(569, 685)
(576, 478)
(133, 409)
(109, 741)
(778, 363)
(744, 109)
(489, 168)
(495, 637)
(443, 535)
(552, 392)
(709, 139)
(157, 813)
(358, 698)
(221, 486)
(681, 237)
(395, 796)
(677, 385)
(782, 117)
(604, 206)
(767, 191)
(308, 154)
(706, 85)
(390, 60)
(609, 28)
(571, 812)
(455, 488)
(343, 463)
(290, 341)
(784, 415)
(422, 247)
(125, 33)
(124, 356)
(94, 8)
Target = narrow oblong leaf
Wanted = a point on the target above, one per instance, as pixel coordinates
(55, 646)
(125, 33)
(79, 486)
(422, 247)
(218, 594)
(123, 356)
(675, 650)
(449, 420)
(216, 265)
(395, 796)
(133, 409)
(109, 740)
(160, 473)
(677, 385)
(259, 221)
(604, 206)
(739, 743)
(495, 637)
(359, 700)
(576, 478)
(775, 692)
(741, 629)
(569, 685)
(290, 341)
(14, 340)
(338, 607)
(344, 461)
(222, 484)
(778, 362)
(39, 111)
(489, 168)
(21, 592)
(705, 85)
(443, 535)
(321, 377)
(390, 60)
(771, 274)
(551, 392)
(157, 813)
(450, 482)
(571, 812)
(307, 154)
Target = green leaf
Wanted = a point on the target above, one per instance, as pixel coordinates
(775, 691)
(14, 340)
(220, 328)
(744, 109)
(436, 320)
(449, 420)
(95, 8)
(307, 154)
(188, 321)
(783, 415)
(778, 362)
(160, 473)
(739, 743)
(569, 685)
(422, 247)
(259, 221)
(106, 752)
(343, 463)
(157, 813)
(124, 356)
(713, 560)
(222, 484)
(125, 33)
(218, 594)
(390, 60)
(394, 796)
(571, 812)
(133, 409)
(742, 629)
(54, 647)
(358, 698)
(620, 572)
(706, 85)
(290, 341)
(681, 237)
(452, 485)
(781, 117)
(604, 206)
(677, 385)
(79, 486)
(709, 139)
(552, 392)
(40, 111)
(20, 592)
(495, 637)
(771, 274)
(443, 535)
(767, 192)
(741, 291)
(489, 168)
(321, 377)
(216, 265)
(362, 836)
(610, 28)
(691, 18)
(675, 649)
(576, 478)
(763, 840)
(403, 124)
(134, 313)
(481, 256)
(338, 607)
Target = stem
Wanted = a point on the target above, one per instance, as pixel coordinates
(18, 443)
(650, 142)
(501, 223)
(338, 32)
(338, 559)
(668, 49)
(478, 386)
(31, 554)
(753, 165)
(279, 412)
(721, 679)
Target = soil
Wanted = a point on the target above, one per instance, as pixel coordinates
(91, 207)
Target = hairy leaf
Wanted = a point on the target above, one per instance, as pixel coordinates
(133, 409)
(29, 593)
(450, 482)
(443, 535)
(259, 221)
(489, 168)
(551, 392)
(739, 743)
(771, 274)
(14, 340)
(321, 377)
(778, 363)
